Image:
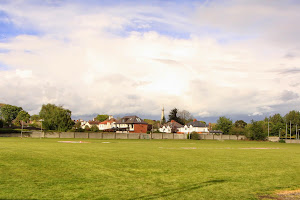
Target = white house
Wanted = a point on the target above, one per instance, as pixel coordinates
(170, 127)
(107, 124)
(194, 126)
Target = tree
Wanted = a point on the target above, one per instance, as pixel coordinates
(237, 131)
(173, 116)
(94, 128)
(56, 117)
(185, 116)
(256, 131)
(1, 123)
(293, 117)
(22, 116)
(101, 118)
(240, 124)
(9, 112)
(224, 124)
(35, 117)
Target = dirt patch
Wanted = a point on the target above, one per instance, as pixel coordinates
(259, 148)
(283, 195)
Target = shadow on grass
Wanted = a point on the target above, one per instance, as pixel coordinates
(186, 188)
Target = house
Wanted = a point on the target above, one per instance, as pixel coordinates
(131, 124)
(194, 126)
(170, 127)
(90, 124)
(107, 124)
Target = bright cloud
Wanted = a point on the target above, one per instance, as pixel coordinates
(211, 58)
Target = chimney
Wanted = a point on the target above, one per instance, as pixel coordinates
(209, 126)
(194, 120)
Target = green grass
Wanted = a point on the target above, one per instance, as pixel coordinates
(143, 169)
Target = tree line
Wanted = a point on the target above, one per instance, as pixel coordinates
(58, 118)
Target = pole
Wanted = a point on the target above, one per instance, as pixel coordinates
(290, 130)
(268, 129)
(22, 130)
(286, 131)
(279, 133)
(296, 132)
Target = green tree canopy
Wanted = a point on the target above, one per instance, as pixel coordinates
(173, 116)
(240, 124)
(224, 124)
(256, 131)
(101, 118)
(293, 116)
(56, 117)
(35, 117)
(22, 116)
(9, 112)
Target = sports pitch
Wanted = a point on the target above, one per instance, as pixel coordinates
(145, 169)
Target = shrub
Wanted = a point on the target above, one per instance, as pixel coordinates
(195, 136)
(281, 141)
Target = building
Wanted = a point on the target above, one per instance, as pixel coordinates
(131, 124)
(107, 124)
(90, 124)
(194, 126)
(170, 127)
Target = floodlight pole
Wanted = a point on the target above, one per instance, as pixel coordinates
(268, 129)
(279, 133)
(285, 130)
(22, 130)
(290, 130)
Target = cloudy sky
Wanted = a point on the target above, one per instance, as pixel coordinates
(238, 58)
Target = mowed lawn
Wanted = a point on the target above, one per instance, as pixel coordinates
(145, 169)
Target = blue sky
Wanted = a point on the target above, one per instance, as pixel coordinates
(211, 58)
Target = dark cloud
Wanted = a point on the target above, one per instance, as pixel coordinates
(288, 95)
(290, 71)
(289, 56)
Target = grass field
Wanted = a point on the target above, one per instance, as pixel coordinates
(144, 169)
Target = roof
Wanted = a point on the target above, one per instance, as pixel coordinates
(173, 124)
(196, 124)
(108, 121)
(131, 120)
(93, 122)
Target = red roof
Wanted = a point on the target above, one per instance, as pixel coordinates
(108, 121)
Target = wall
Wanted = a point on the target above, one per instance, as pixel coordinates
(67, 135)
(292, 141)
(85, 135)
(140, 128)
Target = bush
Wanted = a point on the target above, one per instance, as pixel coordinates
(281, 141)
(195, 136)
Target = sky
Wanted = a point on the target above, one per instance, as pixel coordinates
(235, 58)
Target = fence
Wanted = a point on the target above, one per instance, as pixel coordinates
(100, 135)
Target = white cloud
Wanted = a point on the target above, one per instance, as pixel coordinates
(88, 62)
